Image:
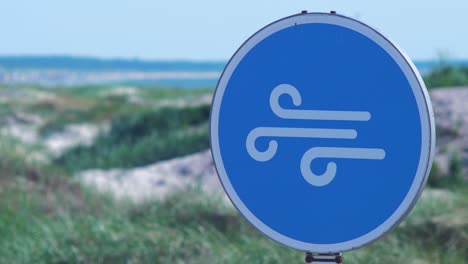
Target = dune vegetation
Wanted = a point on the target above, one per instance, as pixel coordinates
(48, 216)
(447, 76)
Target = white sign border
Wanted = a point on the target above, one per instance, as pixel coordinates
(424, 108)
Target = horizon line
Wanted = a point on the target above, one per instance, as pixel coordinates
(171, 60)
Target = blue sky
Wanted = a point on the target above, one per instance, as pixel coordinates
(212, 29)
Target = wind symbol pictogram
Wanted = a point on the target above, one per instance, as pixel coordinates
(296, 132)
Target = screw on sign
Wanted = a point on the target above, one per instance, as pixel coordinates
(322, 133)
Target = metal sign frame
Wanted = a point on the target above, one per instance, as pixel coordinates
(424, 108)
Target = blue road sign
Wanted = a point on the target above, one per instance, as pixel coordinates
(322, 132)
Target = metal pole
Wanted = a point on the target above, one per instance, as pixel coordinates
(324, 258)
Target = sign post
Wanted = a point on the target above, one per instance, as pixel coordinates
(322, 133)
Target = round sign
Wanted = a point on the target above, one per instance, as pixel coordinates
(322, 132)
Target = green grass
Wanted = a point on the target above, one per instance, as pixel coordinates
(144, 137)
(452, 179)
(159, 127)
(156, 93)
(47, 217)
(91, 104)
(447, 76)
(91, 112)
(80, 227)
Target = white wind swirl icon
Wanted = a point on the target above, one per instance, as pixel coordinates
(314, 152)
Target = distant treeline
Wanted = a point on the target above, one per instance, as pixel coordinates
(447, 76)
(96, 64)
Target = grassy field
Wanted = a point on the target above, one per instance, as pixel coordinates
(135, 139)
(47, 216)
(177, 118)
